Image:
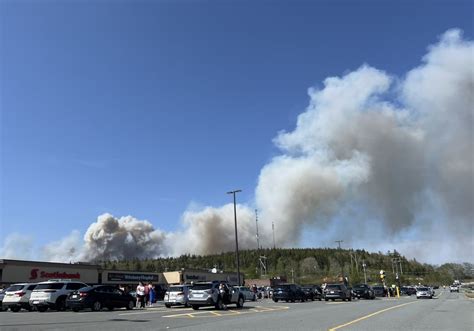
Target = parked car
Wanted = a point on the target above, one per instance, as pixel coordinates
(2, 295)
(380, 291)
(454, 288)
(177, 295)
(17, 296)
(337, 291)
(288, 292)
(312, 292)
(249, 295)
(408, 290)
(424, 292)
(99, 296)
(364, 291)
(53, 294)
(207, 294)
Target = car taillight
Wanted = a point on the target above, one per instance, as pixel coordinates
(20, 294)
(83, 294)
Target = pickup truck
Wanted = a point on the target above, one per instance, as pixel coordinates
(207, 294)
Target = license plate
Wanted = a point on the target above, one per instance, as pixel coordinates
(331, 292)
(36, 302)
(74, 296)
(198, 295)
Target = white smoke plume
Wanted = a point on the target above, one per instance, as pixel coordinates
(381, 162)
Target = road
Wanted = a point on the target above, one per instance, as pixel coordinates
(449, 311)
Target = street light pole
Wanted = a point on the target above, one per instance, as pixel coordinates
(236, 238)
(365, 275)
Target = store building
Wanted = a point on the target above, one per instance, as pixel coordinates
(17, 271)
(192, 276)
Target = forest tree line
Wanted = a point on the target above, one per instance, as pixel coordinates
(309, 265)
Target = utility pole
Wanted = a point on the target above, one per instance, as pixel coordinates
(292, 275)
(365, 275)
(342, 262)
(236, 237)
(256, 223)
(273, 230)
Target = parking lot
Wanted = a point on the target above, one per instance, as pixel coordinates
(448, 311)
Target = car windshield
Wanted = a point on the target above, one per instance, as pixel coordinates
(423, 289)
(283, 288)
(49, 286)
(360, 286)
(333, 287)
(14, 288)
(378, 288)
(176, 289)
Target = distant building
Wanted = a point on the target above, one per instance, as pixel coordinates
(19, 271)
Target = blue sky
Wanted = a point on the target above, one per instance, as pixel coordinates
(142, 108)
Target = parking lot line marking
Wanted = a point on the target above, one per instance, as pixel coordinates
(186, 314)
(370, 315)
(335, 303)
(211, 313)
(139, 313)
(235, 312)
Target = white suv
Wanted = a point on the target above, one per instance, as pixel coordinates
(53, 294)
(17, 296)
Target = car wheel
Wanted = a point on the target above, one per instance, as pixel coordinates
(15, 309)
(110, 308)
(29, 308)
(130, 305)
(167, 305)
(61, 304)
(275, 300)
(96, 306)
(350, 299)
(42, 309)
(195, 307)
(326, 299)
(75, 310)
(240, 302)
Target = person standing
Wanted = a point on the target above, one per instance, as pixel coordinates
(140, 295)
(151, 294)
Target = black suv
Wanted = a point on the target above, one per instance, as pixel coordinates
(99, 296)
(364, 291)
(337, 291)
(288, 292)
(312, 292)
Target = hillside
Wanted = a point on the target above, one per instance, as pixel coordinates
(310, 265)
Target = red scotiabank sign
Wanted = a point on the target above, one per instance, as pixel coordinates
(37, 273)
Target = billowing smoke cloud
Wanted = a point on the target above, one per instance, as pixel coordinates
(212, 230)
(403, 163)
(378, 161)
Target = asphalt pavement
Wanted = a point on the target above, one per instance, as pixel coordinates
(448, 311)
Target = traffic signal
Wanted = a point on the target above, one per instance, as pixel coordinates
(382, 275)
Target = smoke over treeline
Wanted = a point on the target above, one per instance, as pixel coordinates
(378, 161)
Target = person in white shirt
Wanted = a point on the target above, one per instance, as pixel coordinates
(140, 295)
